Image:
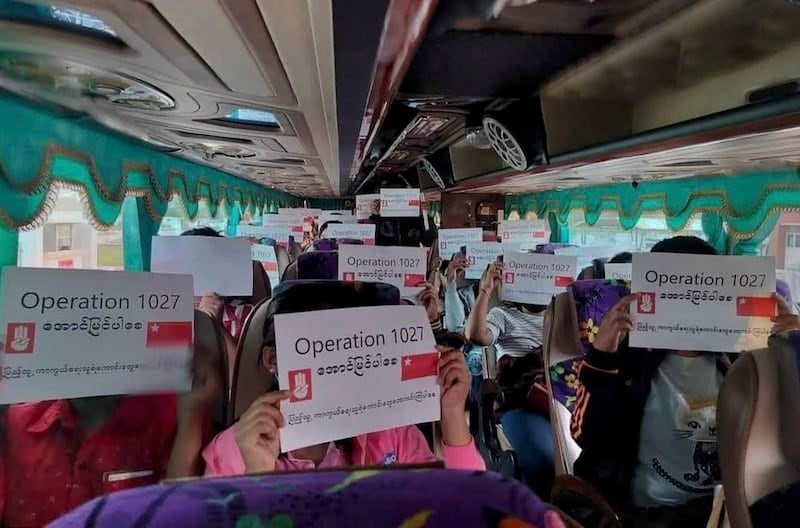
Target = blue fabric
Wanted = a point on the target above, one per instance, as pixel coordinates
(532, 439)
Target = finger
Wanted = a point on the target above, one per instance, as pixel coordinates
(450, 378)
(783, 306)
(785, 318)
(272, 398)
(270, 413)
(625, 302)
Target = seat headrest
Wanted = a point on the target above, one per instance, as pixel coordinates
(210, 347)
(262, 288)
(322, 265)
(325, 244)
(351, 241)
(786, 347)
(593, 300)
(251, 378)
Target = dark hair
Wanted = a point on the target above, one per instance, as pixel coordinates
(621, 258)
(690, 245)
(202, 231)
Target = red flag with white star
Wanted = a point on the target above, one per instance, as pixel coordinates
(419, 366)
(168, 334)
(755, 306)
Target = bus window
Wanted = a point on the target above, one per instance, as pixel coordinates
(607, 232)
(176, 220)
(68, 239)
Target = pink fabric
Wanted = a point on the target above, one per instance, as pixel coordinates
(404, 445)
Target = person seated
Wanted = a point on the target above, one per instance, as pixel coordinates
(56, 455)
(516, 332)
(252, 445)
(407, 232)
(646, 419)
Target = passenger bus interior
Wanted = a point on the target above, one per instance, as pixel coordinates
(598, 135)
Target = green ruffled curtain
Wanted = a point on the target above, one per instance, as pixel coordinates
(40, 149)
(738, 211)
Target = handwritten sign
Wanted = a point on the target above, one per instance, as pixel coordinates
(400, 202)
(452, 239)
(364, 205)
(266, 256)
(365, 232)
(533, 278)
(355, 371)
(480, 255)
(702, 303)
(80, 333)
(403, 267)
(619, 271)
(220, 265)
(526, 231)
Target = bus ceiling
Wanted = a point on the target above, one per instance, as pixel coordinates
(520, 95)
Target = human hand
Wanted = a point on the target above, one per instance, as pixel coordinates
(258, 432)
(455, 384)
(429, 298)
(212, 304)
(615, 325)
(492, 277)
(785, 320)
(375, 208)
(456, 267)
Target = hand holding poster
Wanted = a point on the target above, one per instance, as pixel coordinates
(533, 278)
(266, 256)
(400, 202)
(702, 303)
(619, 271)
(365, 232)
(355, 371)
(220, 265)
(451, 240)
(364, 205)
(523, 231)
(80, 333)
(403, 267)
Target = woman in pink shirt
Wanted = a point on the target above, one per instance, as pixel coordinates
(252, 445)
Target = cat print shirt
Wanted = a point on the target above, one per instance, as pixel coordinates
(678, 458)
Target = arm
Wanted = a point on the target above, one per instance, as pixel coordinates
(478, 331)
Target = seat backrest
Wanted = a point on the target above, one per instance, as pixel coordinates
(282, 256)
(379, 498)
(262, 288)
(571, 322)
(251, 378)
(209, 338)
(758, 422)
(318, 265)
(325, 244)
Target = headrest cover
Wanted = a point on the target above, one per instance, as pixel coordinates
(326, 244)
(593, 300)
(318, 265)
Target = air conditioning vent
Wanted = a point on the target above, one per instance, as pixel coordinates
(210, 137)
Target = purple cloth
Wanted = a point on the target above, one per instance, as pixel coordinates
(323, 265)
(593, 300)
(783, 290)
(389, 498)
(326, 244)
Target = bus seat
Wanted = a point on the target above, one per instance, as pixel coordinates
(251, 377)
(350, 241)
(318, 265)
(572, 321)
(758, 415)
(282, 256)
(209, 337)
(325, 244)
(290, 273)
(424, 496)
(262, 289)
(266, 241)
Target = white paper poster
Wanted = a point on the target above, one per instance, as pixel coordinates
(220, 265)
(586, 254)
(266, 256)
(451, 240)
(365, 232)
(400, 202)
(335, 217)
(533, 278)
(80, 333)
(297, 223)
(355, 371)
(404, 267)
(701, 302)
(364, 205)
(280, 234)
(523, 231)
(619, 271)
(305, 212)
(480, 255)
